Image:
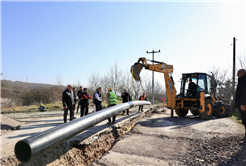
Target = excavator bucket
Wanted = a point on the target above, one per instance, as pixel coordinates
(135, 70)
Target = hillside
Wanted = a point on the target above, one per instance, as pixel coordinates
(18, 85)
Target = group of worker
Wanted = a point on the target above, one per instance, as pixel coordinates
(70, 98)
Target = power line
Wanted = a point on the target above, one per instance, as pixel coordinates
(89, 19)
(136, 38)
(222, 52)
(141, 39)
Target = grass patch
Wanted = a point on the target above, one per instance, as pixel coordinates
(236, 117)
(32, 107)
(52, 105)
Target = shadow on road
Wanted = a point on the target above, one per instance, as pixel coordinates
(176, 122)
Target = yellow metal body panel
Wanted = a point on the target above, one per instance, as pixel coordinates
(202, 102)
(171, 92)
(166, 69)
(213, 98)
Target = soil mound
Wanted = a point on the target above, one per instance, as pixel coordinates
(9, 124)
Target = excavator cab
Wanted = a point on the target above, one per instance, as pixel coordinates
(197, 94)
(193, 84)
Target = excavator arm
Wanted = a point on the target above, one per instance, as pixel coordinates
(162, 68)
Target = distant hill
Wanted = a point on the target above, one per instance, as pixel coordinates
(25, 85)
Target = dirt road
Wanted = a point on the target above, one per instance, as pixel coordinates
(162, 140)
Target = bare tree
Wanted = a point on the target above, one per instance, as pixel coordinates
(95, 81)
(77, 84)
(59, 79)
(242, 61)
(224, 83)
(114, 79)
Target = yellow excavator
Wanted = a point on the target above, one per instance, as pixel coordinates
(196, 91)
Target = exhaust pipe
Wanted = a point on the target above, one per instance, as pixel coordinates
(32, 147)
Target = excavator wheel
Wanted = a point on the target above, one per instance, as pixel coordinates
(208, 113)
(194, 112)
(221, 111)
(181, 112)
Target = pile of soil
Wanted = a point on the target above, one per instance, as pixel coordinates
(8, 124)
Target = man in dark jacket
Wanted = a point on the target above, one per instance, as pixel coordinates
(98, 99)
(78, 94)
(68, 101)
(126, 98)
(240, 100)
(84, 102)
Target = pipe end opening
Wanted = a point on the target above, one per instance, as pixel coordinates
(23, 151)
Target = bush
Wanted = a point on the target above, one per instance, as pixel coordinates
(42, 95)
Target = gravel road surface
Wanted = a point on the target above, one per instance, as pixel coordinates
(161, 140)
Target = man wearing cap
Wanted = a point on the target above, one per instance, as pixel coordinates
(141, 98)
(112, 101)
(68, 102)
(98, 99)
(240, 100)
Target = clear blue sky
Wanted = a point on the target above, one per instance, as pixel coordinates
(76, 39)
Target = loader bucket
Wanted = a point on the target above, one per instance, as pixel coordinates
(135, 70)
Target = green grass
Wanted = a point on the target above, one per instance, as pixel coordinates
(236, 117)
(32, 107)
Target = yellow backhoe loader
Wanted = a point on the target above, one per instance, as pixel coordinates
(196, 92)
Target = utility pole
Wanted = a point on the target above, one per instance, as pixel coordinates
(233, 76)
(153, 52)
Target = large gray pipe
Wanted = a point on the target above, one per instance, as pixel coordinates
(30, 148)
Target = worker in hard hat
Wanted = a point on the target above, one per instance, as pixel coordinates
(112, 101)
(142, 98)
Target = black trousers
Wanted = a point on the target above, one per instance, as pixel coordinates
(114, 117)
(65, 114)
(84, 110)
(140, 107)
(98, 106)
(243, 116)
(78, 107)
(127, 111)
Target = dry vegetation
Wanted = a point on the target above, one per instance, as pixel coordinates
(21, 97)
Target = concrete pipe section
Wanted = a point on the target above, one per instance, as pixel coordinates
(34, 146)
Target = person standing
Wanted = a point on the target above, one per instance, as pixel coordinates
(142, 98)
(79, 94)
(84, 102)
(75, 98)
(112, 101)
(125, 98)
(240, 100)
(98, 99)
(68, 101)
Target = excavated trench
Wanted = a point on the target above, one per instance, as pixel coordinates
(82, 152)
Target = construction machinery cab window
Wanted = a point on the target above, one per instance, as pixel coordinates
(193, 84)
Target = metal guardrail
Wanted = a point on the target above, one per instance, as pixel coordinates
(32, 147)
